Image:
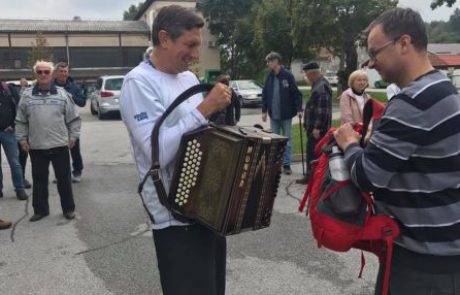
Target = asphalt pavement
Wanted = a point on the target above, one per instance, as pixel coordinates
(108, 248)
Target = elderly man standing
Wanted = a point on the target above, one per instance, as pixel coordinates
(48, 124)
(282, 100)
(63, 79)
(318, 112)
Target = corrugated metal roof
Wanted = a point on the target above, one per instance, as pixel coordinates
(17, 25)
(445, 60)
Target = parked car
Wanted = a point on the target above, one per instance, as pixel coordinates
(331, 77)
(105, 96)
(248, 92)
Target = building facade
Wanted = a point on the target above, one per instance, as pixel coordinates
(209, 52)
(92, 48)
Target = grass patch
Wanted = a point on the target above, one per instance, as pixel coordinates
(295, 135)
(380, 96)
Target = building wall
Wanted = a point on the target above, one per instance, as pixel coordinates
(209, 52)
(81, 50)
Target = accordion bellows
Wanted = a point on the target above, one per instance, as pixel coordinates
(227, 177)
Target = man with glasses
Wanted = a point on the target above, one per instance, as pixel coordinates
(63, 79)
(412, 161)
(48, 124)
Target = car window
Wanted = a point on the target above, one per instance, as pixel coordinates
(99, 84)
(113, 84)
(248, 85)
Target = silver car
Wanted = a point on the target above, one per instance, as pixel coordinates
(106, 95)
(248, 92)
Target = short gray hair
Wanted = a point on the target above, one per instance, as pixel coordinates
(272, 56)
(45, 63)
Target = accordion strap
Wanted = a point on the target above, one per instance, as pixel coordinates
(154, 170)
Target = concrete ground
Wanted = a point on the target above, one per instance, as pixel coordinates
(108, 248)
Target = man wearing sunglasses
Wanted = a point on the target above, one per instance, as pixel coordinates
(412, 161)
(48, 124)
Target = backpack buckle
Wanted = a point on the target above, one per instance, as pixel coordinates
(387, 231)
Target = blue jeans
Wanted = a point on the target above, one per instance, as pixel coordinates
(283, 127)
(77, 161)
(10, 147)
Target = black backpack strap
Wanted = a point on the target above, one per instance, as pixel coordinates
(368, 112)
(154, 170)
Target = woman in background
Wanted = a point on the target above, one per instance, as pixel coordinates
(353, 99)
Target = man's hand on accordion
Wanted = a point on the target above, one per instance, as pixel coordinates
(217, 99)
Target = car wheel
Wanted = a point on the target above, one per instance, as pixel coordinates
(93, 111)
(241, 100)
(100, 116)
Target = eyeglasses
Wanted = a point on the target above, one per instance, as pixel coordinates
(45, 72)
(373, 53)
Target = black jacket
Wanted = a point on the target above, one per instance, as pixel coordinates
(291, 97)
(9, 100)
(77, 94)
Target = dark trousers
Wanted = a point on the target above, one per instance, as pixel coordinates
(77, 161)
(311, 142)
(405, 280)
(59, 158)
(191, 260)
(23, 160)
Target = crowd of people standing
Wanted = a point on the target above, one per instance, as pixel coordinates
(42, 121)
(411, 163)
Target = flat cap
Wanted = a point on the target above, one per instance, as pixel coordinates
(310, 66)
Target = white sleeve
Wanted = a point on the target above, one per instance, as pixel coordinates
(141, 108)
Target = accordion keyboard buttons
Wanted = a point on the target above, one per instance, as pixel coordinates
(189, 172)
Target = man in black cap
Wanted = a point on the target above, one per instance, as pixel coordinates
(318, 112)
(282, 100)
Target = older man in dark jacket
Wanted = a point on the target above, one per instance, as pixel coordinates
(282, 100)
(63, 79)
(318, 112)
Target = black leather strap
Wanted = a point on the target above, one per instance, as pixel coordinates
(154, 170)
(368, 112)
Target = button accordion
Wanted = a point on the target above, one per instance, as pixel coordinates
(225, 178)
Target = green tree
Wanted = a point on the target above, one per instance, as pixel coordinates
(442, 32)
(454, 21)
(280, 26)
(230, 21)
(132, 11)
(438, 3)
(340, 24)
(39, 51)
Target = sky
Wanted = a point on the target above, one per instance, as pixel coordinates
(113, 9)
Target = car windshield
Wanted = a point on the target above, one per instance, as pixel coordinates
(248, 85)
(113, 84)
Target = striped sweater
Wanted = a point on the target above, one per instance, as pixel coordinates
(412, 166)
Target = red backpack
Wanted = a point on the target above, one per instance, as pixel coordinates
(342, 216)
